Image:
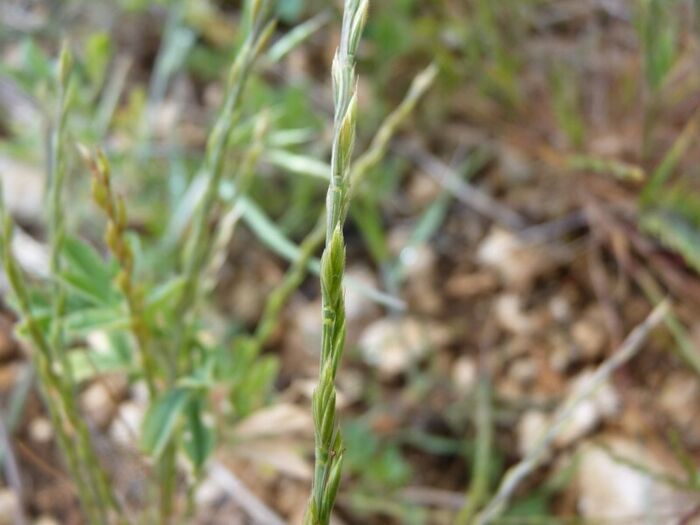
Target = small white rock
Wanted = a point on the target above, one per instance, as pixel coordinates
(518, 263)
(46, 520)
(611, 490)
(9, 506)
(40, 430)
(394, 344)
(419, 261)
(98, 401)
(680, 396)
(209, 492)
(530, 429)
(560, 308)
(126, 426)
(464, 374)
(511, 315)
(23, 187)
(524, 370)
(307, 325)
(602, 405)
(589, 333)
(140, 394)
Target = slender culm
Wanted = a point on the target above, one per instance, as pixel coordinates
(328, 441)
(199, 244)
(114, 209)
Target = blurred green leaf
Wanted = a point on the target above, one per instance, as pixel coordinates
(199, 438)
(254, 385)
(164, 295)
(83, 321)
(676, 233)
(161, 419)
(85, 260)
(98, 52)
(87, 273)
(658, 31)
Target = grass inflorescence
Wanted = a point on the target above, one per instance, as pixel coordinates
(329, 443)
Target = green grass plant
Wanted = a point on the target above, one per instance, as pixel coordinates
(329, 444)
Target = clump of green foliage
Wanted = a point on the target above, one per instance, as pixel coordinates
(153, 326)
(149, 293)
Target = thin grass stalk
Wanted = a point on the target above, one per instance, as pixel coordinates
(57, 173)
(481, 469)
(366, 162)
(167, 475)
(328, 440)
(114, 209)
(199, 245)
(243, 180)
(72, 432)
(91, 479)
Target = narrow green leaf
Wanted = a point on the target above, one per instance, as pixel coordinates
(85, 258)
(90, 289)
(83, 321)
(199, 438)
(272, 237)
(299, 164)
(296, 36)
(87, 273)
(676, 233)
(161, 419)
(166, 294)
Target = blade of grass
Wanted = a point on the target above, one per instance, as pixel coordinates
(481, 461)
(670, 161)
(296, 36)
(71, 431)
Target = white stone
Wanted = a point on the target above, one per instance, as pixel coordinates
(98, 403)
(612, 490)
(530, 430)
(517, 263)
(209, 492)
(589, 333)
(464, 374)
(9, 506)
(511, 315)
(392, 345)
(40, 430)
(46, 520)
(680, 398)
(126, 426)
(603, 404)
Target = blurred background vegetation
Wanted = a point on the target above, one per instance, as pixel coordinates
(541, 198)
